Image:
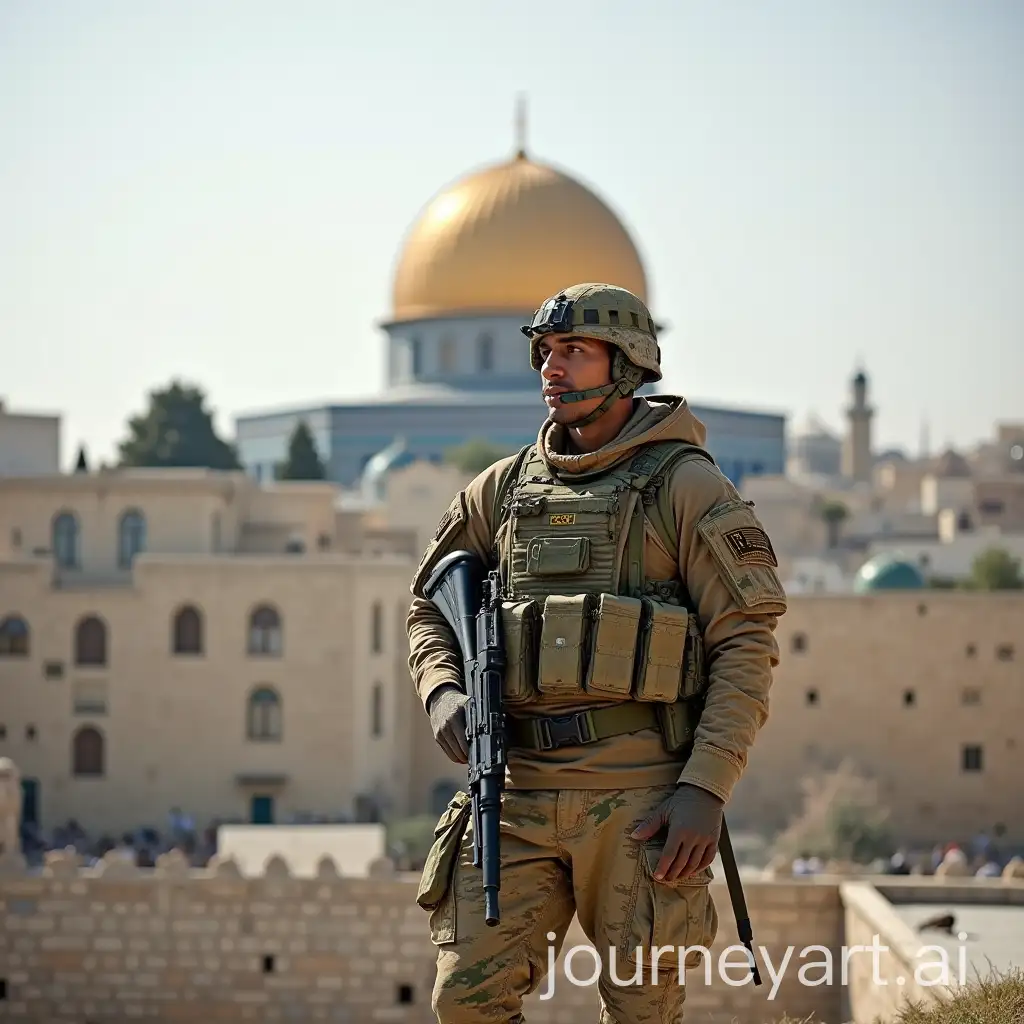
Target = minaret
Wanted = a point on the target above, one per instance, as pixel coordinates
(857, 443)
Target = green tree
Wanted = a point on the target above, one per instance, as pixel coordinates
(303, 462)
(475, 455)
(81, 463)
(996, 569)
(833, 514)
(176, 430)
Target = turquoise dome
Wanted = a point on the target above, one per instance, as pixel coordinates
(886, 572)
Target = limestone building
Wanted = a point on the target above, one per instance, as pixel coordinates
(814, 452)
(477, 261)
(29, 443)
(193, 639)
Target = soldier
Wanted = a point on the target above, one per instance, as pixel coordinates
(640, 604)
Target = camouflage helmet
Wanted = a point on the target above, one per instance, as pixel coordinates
(605, 312)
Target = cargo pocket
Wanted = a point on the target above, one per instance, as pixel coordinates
(436, 892)
(520, 620)
(669, 919)
(661, 649)
(614, 646)
(563, 644)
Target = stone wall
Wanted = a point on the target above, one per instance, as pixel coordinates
(878, 992)
(909, 965)
(116, 943)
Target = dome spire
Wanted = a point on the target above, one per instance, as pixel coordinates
(521, 127)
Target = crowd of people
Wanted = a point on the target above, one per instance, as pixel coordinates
(141, 846)
(984, 856)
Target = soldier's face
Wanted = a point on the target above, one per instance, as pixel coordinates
(570, 363)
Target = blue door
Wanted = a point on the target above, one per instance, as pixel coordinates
(261, 810)
(29, 801)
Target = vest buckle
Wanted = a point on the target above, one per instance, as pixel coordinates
(564, 730)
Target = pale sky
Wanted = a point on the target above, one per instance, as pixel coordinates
(218, 191)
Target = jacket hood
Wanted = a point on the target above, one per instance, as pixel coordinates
(655, 418)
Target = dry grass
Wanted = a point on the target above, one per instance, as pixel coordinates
(998, 999)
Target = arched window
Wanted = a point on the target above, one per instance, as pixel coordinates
(485, 348)
(131, 537)
(90, 641)
(377, 711)
(188, 631)
(87, 752)
(65, 540)
(14, 637)
(264, 631)
(263, 719)
(446, 354)
(376, 628)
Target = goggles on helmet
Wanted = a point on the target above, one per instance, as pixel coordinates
(554, 317)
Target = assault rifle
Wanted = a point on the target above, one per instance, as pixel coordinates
(470, 600)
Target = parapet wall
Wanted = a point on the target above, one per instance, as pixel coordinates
(114, 943)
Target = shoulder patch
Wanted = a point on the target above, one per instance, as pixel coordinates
(448, 527)
(455, 513)
(744, 556)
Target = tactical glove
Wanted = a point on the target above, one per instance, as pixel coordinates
(693, 817)
(448, 722)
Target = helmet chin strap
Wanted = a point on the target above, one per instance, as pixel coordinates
(627, 377)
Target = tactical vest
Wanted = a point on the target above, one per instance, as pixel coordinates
(581, 618)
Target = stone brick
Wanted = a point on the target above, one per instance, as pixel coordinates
(312, 965)
(55, 942)
(201, 926)
(61, 961)
(250, 997)
(37, 923)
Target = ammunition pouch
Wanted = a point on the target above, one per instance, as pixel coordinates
(601, 645)
(521, 626)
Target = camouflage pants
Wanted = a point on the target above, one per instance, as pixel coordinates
(563, 852)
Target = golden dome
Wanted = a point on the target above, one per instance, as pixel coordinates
(503, 239)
